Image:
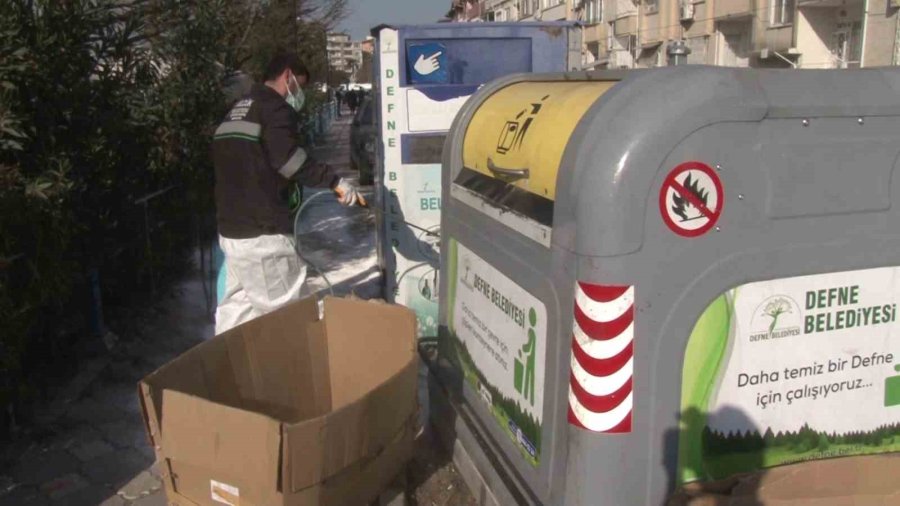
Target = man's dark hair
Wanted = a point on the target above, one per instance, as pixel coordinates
(285, 60)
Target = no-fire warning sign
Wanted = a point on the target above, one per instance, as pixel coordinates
(691, 199)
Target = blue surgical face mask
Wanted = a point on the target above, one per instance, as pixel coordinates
(297, 98)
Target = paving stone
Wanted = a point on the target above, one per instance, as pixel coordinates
(91, 496)
(124, 434)
(146, 451)
(40, 467)
(88, 372)
(392, 497)
(115, 500)
(135, 348)
(132, 408)
(177, 342)
(42, 437)
(7, 484)
(64, 486)
(92, 412)
(31, 451)
(156, 360)
(46, 415)
(142, 442)
(143, 484)
(155, 499)
(90, 450)
(125, 371)
(72, 434)
(156, 470)
(24, 496)
(122, 395)
(117, 468)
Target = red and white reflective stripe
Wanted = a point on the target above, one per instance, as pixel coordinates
(600, 385)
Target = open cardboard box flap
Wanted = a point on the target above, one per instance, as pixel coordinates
(286, 401)
(325, 446)
(363, 420)
(226, 441)
(847, 481)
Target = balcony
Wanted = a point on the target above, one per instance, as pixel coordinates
(625, 25)
(779, 38)
(829, 3)
(619, 9)
(555, 13)
(733, 8)
(595, 33)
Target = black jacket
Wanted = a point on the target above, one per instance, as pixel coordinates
(256, 154)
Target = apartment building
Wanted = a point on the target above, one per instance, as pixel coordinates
(737, 33)
(499, 11)
(368, 45)
(462, 11)
(546, 10)
(847, 34)
(590, 13)
(344, 55)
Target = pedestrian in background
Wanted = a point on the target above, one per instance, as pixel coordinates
(339, 97)
(353, 101)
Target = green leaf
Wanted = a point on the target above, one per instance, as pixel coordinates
(12, 145)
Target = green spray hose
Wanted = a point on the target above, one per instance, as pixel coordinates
(424, 341)
(297, 240)
(371, 209)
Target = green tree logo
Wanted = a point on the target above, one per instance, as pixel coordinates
(775, 309)
(778, 316)
(523, 370)
(892, 389)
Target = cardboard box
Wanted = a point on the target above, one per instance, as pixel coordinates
(848, 481)
(288, 409)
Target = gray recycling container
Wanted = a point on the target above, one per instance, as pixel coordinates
(665, 276)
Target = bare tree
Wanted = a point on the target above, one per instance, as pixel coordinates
(326, 12)
(298, 25)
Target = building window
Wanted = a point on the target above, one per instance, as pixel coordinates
(593, 12)
(489, 16)
(500, 15)
(621, 48)
(698, 47)
(526, 7)
(651, 5)
(845, 44)
(781, 12)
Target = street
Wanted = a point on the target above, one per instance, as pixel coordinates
(89, 446)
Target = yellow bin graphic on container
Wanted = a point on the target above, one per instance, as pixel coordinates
(520, 133)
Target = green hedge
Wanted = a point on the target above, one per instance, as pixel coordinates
(100, 105)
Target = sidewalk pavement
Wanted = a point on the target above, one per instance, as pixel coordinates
(89, 446)
(338, 240)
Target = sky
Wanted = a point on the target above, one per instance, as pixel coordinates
(366, 14)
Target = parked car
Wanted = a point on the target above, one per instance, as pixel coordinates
(363, 136)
